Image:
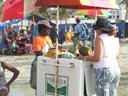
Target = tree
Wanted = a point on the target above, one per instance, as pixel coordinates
(64, 13)
(41, 12)
(1, 5)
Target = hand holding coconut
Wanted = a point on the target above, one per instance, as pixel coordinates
(84, 52)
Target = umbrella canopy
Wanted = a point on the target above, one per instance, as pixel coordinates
(17, 9)
(9, 3)
(79, 4)
(92, 12)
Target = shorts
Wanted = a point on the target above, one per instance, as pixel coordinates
(4, 88)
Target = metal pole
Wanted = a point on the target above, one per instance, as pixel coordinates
(93, 39)
(57, 52)
(7, 40)
(33, 20)
(95, 20)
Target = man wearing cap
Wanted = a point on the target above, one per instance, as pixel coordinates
(41, 41)
(41, 44)
(78, 29)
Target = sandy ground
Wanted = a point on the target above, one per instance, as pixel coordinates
(23, 64)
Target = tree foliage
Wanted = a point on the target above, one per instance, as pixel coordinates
(1, 5)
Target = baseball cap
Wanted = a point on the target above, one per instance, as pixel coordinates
(45, 22)
(78, 18)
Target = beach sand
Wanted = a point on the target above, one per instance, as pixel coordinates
(23, 64)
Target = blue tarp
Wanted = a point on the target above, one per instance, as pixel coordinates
(16, 28)
(29, 17)
(11, 22)
(61, 32)
(120, 28)
(126, 30)
(1, 36)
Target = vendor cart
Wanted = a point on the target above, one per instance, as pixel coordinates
(71, 73)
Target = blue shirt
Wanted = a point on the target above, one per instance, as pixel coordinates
(79, 29)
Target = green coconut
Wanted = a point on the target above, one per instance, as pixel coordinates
(84, 50)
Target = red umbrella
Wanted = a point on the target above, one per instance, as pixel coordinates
(17, 9)
(9, 3)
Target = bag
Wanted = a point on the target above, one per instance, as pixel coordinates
(85, 34)
(33, 77)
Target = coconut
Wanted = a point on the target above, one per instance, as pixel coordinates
(84, 50)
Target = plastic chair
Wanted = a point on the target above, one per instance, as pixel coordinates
(18, 48)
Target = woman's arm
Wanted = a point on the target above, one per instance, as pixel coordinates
(21, 37)
(12, 69)
(98, 52)
(117, 57)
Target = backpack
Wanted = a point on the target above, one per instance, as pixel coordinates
(85, 33)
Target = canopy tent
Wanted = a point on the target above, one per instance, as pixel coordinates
(1, 36)
(29, 17)
(100, 12)
(79, 4)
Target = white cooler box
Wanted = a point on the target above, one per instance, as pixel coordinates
(70, 77)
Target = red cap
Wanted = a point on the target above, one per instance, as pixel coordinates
(78, 18)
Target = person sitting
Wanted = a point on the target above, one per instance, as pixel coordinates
(28, 36)
(23, 35)
(18, 38)
(4, 86)
(10, 31)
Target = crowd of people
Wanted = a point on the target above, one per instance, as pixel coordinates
(12, 37)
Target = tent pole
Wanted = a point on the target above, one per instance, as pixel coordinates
(92, 39)
(33, 19)
(95, 19)
(57, 52)
(7, 40)
(21, 24)
(94, 31)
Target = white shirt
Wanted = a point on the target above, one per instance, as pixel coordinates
(110, 50)
(28, 36)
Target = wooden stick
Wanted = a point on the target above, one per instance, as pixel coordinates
(7, 40)
(33, 20)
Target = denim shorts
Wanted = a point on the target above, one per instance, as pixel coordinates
(106, 81)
